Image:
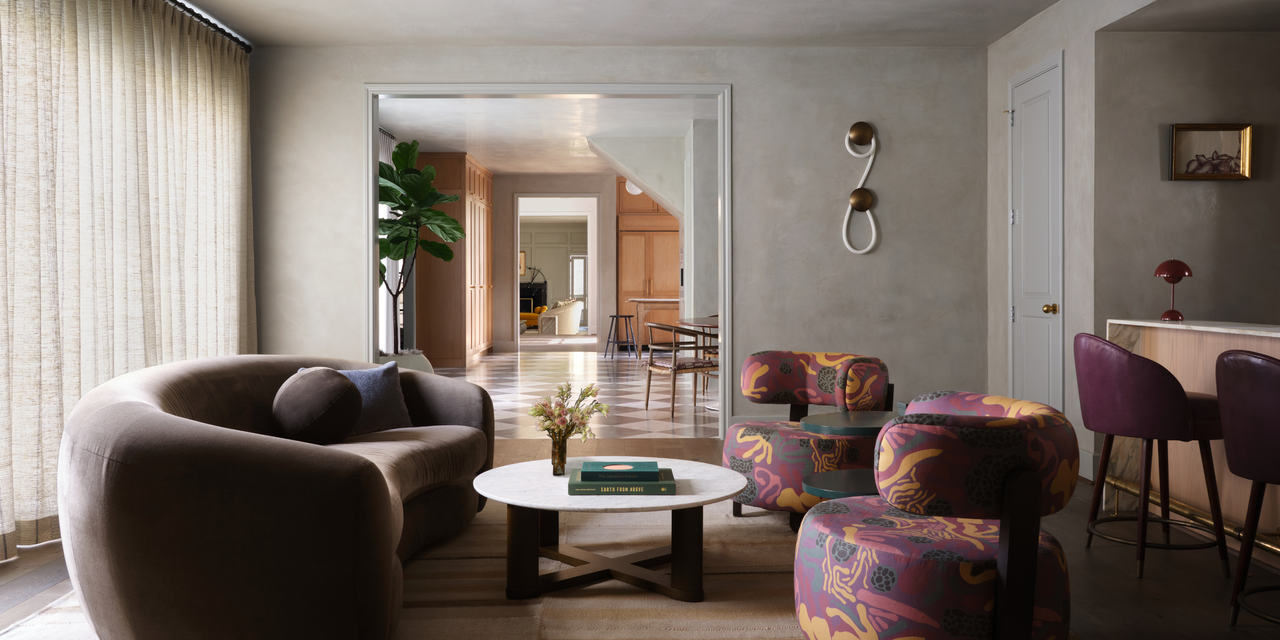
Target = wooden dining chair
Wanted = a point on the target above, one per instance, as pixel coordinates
(676, 365)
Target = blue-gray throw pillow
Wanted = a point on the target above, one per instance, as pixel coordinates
(383, 401)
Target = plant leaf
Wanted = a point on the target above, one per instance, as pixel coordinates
(401, 248)
(384, 250)
(447, 228)
(405, 155)
(388, 172)
(437, 249)
(382, 273)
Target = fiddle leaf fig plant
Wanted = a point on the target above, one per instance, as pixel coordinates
(410, 195)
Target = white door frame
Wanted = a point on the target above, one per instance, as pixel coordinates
(724, 95)
(1053, 61)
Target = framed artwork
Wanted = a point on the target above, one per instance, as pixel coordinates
(1211, 151)
(521, 263)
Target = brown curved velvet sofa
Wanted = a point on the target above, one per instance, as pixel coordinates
(183, 517)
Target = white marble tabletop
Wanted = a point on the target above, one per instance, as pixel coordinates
(530, 484)
(1212, 326)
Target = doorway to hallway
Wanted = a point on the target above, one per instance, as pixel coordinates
(556, 282)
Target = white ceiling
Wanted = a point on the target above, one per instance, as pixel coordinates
(624, 23)
(536, 135)
(1202, 15)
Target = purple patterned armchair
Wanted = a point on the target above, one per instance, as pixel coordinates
(952, 546)
(776, 456)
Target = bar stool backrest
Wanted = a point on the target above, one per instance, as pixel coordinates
(1249, 399)
(1125, 394)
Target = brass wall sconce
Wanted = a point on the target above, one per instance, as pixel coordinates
(861, 199)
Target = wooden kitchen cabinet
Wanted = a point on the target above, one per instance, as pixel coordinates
(454, 300)
(648, 267)
(648, 258)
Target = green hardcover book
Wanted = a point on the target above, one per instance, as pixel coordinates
(664, 485)
(606, 470)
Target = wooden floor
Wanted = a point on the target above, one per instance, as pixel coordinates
(1182, 596)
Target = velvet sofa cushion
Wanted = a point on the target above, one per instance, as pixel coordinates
(419, 459)
(317, 405)
(383, 400)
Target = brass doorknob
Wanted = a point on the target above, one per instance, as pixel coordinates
(1050, 308)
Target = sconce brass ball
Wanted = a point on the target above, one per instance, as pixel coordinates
(861, 199)
(860, 134)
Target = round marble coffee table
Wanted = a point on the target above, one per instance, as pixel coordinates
(534, 499)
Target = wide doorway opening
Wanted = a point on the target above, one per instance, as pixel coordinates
(540, 169)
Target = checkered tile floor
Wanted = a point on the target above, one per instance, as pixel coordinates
(516, 381)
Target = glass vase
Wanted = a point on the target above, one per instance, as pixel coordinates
(559, 451)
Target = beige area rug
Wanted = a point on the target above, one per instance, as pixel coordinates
(457, 589)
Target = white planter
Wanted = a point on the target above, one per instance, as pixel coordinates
(411, 361)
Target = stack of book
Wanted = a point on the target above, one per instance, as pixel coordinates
(598, 477)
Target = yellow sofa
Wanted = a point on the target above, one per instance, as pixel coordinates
(531, 319)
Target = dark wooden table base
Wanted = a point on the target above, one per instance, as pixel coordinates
(534, 533)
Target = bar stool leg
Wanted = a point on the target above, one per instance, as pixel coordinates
(1163, 448)
(613, 337)
(631, 338)
(1246, 545)
(1215, 507)
(1099, 485)
(1143, 501)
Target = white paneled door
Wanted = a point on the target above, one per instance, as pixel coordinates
(1035, 234)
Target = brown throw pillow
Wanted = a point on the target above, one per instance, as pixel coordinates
(317, 405)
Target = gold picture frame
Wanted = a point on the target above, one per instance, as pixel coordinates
(1211, 152)
(521, 263)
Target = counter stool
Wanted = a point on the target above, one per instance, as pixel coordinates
(623, 321)
(1124, 394)
(1247, 388)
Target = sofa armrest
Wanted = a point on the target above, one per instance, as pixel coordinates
(433, 399)
(169, 524)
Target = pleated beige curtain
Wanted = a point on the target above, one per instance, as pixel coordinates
(127, 221)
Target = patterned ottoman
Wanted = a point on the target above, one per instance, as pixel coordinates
(865, 569)
(920, 559)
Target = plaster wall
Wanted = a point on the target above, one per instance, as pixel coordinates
(602, 248)
(1066, 27)
(1226, 231)
(918, 301)
(656, 165)
(700, 228)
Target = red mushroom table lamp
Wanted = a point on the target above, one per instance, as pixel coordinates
(1173, 271)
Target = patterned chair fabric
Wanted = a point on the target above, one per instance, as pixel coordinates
(776, 456)
(950, 454)
(865, 569)
(919, 560)
(846, 380)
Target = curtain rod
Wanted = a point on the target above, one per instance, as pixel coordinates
(204, 20)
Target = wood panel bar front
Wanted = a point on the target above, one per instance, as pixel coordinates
(1190, 351)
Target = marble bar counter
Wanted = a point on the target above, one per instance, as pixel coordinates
(1190, 351)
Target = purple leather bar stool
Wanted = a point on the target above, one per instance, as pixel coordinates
(1124, 394)
(1249, 390)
